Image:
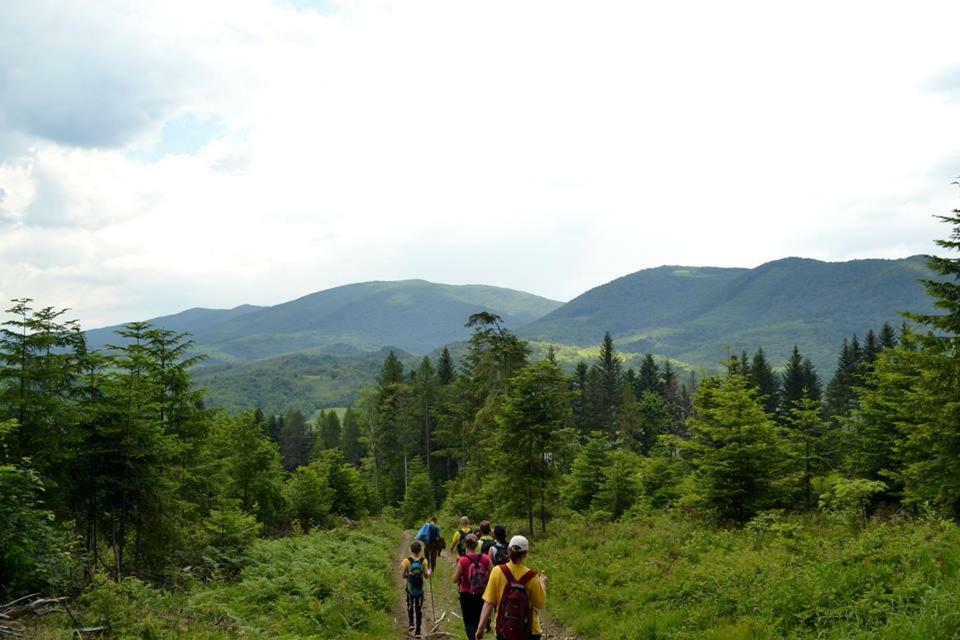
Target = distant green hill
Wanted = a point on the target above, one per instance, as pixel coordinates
(701, 314)
(297, 381)
(413, 315)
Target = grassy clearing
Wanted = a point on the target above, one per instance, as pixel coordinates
(662, 576)
(333, 584)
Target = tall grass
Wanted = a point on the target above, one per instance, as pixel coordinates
(664, 576)
(329, 584)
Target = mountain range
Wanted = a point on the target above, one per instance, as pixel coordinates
(319, 349)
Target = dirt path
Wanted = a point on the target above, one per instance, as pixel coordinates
(447, 623)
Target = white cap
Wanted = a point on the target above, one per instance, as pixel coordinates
(520, 543)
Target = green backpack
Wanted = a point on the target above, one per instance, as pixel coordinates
(415, 577)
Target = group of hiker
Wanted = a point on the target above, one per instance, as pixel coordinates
(490, 575)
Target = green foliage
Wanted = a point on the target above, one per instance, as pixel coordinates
(850, 497)
(587, 474)
(418, 502)
(228, 533)
(332, 584)
(733, 450)
(619, 489)
(246, 466)
(34, 555)
(662, 576)
(701, 314)
(309, 495)
(533, 426)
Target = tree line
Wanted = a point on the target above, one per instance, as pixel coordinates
(111, 462)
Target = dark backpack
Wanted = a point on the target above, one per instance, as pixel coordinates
(462, 543)
(485, 547)
(514, 613)
(501, 555)
(477, 575)
(415, 576)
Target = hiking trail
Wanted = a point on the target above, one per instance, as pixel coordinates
(448, 623)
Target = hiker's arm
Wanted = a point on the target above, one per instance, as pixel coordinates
(538, 594)
(484, 616)
(457, 573)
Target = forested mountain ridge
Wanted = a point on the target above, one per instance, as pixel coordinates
(413, 315)
(701, 314)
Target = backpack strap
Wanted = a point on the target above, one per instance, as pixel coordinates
(527, 577)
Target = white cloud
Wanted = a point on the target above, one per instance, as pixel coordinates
(547, 146)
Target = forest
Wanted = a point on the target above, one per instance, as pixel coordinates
(774, 500)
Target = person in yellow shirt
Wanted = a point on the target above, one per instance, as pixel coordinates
(460, 536)
(416, 569)
(517, 592)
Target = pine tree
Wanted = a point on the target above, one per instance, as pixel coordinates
(533, 418)
(391, 372)
(605, 383)
(619, 487)
(649, 377)
(446, 371)
(841, 397)
(582, 411)
(931, 430)
(764, 380)
(295, 440)
(350, 438)
(733, 448)
(888, 336)
(586, 476)
(809, 446)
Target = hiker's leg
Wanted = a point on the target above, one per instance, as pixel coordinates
(470, 619)
(418, 606)
(409, 609)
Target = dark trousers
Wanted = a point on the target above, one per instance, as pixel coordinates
(472, 607)
(415, 611)
(432, 551)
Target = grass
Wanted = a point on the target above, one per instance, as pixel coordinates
(664, 576)
(330, 584)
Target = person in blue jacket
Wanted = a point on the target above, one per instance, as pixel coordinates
(429, 535)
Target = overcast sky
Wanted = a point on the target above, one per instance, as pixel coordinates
(156, 156)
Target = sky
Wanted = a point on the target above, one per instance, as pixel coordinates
(156, 156)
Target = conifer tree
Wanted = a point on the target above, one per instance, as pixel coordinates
(586, 476)
(350, 442)
(295, 440)
(764, 380)
(533, 418)
(888, 336)
(619, 487)
(581, 400)
(733, 448)
(392, 371)
(605, 383)
(649, 377)
(809, 444)
(446, 371)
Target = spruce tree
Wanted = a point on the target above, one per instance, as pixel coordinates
(586, 476)
(446, 371)
(605, 387)
(764, 380)
(733, 449)
(391, 372)
(888, 336)
(582, 412)
(350, 438)
(649, 377)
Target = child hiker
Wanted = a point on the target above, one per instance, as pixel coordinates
(416, 569)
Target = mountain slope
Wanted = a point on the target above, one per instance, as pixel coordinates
(194, 321)
(699, 315)
(414, 315)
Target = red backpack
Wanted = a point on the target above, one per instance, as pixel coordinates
(477, 575)
(514, 613)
